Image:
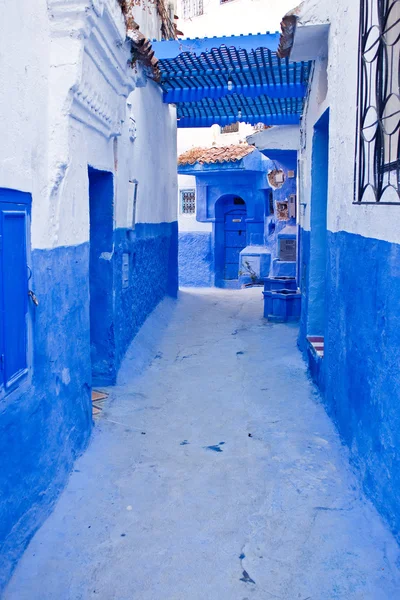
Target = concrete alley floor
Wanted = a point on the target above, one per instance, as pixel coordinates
(214, 474)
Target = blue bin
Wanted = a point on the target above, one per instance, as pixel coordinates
(280, 283)
(281, 306)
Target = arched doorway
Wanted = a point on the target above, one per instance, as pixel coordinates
(230, 238)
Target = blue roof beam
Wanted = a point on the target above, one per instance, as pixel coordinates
(186, 93)
(224, 80)
(229, 109)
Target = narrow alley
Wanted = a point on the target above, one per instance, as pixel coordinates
(213, 473)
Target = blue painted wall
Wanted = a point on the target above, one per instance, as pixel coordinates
(285, 160)
(153, 273)
(215, 184)
(45, 424)
(196, 259)
(117, 308)
(359, 375)
(362, 358)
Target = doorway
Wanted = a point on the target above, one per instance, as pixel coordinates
(318, 236)
(101, 215)
(230, 238)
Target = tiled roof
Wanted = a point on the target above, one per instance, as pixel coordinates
(216, 154)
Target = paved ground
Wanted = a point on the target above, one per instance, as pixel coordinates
(237, 489)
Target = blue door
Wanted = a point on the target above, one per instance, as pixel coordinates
(235, 241)
(13, 292)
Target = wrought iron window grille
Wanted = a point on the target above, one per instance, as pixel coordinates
(192, 8)
(377, 165)
(188, 202)
(232, 128)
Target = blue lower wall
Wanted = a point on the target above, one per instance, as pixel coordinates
(196, 261)
(45, 424)
(153, 274)
(361, 375)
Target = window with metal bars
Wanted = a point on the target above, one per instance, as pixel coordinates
(232, 128)
(188, 202)
(192, 8)
(378, 118)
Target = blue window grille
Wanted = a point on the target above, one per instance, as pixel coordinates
(188, 202)
(14, 218)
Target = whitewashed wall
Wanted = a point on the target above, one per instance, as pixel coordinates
(234, 17)
(24, 71)
(150, 159)
(65, 107)
(341, 98)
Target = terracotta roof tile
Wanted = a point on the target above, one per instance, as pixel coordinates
(216, 154)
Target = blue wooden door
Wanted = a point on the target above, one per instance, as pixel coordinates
(13, 292)
(235, 241)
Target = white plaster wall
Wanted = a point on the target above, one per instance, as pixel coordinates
(379, 222)
(188, 222)
(154, 156)
(63, 107)
(146, 16)
(206, 137)
(235, 17)
(23, 95)
(282, 137)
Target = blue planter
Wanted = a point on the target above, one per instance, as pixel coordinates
(281, 306)
(280, 283)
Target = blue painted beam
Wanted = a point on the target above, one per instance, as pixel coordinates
(194, 94)
(170, 49)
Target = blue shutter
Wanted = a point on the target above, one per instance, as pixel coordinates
(13, 291)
